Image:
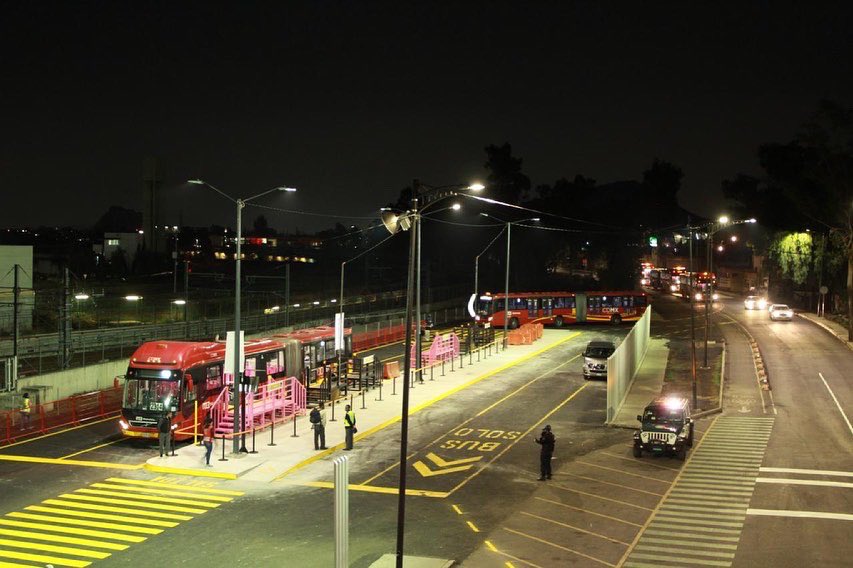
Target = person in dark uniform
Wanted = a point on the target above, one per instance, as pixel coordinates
(547, 441)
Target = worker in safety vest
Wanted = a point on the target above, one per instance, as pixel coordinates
(349, 427)
(25, 411)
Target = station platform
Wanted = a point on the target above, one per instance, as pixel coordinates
(293, 453)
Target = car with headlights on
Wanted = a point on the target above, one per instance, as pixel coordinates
(595, 358)
(781, 312)
(666, 427)
(754, 303)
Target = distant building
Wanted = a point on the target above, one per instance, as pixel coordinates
(127, 243)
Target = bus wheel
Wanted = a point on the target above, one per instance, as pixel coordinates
(616, 319)
(513, 323)
(558, 321)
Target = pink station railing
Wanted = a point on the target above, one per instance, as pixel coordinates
(271, 403)
(443, 348)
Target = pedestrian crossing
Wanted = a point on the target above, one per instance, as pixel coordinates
(76, 529)
(700, 521)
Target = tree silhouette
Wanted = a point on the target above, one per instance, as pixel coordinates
(505, 182)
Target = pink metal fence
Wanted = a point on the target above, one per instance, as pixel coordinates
(443, 348)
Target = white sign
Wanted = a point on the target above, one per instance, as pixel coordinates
(229, 352)
(339, 331)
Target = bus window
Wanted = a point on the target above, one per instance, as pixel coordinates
(213, 377)
(640, 301)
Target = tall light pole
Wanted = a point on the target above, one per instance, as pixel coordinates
(690, 285)
(410, 220)
(477, 262)
(507, 310)
(239, 400)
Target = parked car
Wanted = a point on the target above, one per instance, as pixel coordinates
(665, 428)
(595, 358)
(781, 312)
(755, 303)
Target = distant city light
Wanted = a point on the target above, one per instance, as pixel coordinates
(132, 298)
(476, 187)
(81, 296)
(179, 302)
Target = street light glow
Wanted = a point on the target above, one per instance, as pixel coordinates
(734, 238)
(132, 298)
(196, 181)
(723, 219)
(316, 303)
(536, 219)
(456, 207)
(288, 189)
(751, 220)
(179, 302)
(476, 187)
(81, 296)
(720, 248)
(295, 305)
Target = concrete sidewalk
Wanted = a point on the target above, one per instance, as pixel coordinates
(646, 386)
(836, 329)
(291, 453)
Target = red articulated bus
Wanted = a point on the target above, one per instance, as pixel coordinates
(172, 376)
(558, 308)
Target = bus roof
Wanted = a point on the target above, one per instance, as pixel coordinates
(563, 293)
(312, 334)
(185, 354)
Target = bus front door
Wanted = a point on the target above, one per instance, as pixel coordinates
(532, 308)
(580, 308)
(547, 307)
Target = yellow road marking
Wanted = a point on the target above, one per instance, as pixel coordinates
(86, 514)
(387, 469)
(558, 486)
(87, 424)
(70, 530)
(53, 548)
(543, 541)
(65, 539)
(523, 436)
(615, 484)
(176, 486)
(132, 503)
(192, 472)
(428, 403)
(457, 509)
(92, 449)
(491, 546)
(444, 463)
(568, 526)
(509, 564)
(44, 559)
(86, 523)
(425, 471)
(16, 565)
(623, 472)
(79, 505)
(375, 489)
(165, 492)
(57, 461)
(473, 526)
(588, 511)
(157, 498)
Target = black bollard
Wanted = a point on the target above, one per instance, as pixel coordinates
(253, 441)
(333, 411)
(362, 400)
(223, 458)
(295, 435)
(442, 367)
(380, 392)
(431, 369)
(272, 433)
(394, 385)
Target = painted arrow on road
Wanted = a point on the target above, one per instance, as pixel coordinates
(451, 466)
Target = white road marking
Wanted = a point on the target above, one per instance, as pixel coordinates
(803, 482)
(806, 471)
(800, 514)
(832, 394)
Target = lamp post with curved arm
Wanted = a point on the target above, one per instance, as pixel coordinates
(237, 373)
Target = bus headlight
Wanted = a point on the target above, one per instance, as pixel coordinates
(715, 296)
(698, 296)
(673, 288)
(124, 425)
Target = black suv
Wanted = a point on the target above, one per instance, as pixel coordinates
(665, 427)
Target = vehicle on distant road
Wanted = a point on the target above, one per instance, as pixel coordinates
(666, 427)
(781, 312)
(557, 308)
(595, 358)
(754, 303)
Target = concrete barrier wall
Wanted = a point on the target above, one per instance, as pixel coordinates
(62, 384)
(624, 363)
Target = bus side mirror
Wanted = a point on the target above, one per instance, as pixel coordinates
(190, 384)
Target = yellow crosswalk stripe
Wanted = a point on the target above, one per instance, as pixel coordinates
(175, 486)
(89, 506)
(197, 503)
(60, 538)
(52, 548)
(156, 491)
(105, 516)
(71, 530)
(16, 565)
(55, 560)
(106, 500)
(86, 523)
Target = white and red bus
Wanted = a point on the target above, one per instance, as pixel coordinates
(558, 308)
(172, 376)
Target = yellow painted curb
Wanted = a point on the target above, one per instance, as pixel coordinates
(192, 472)
(428, 403)
(59, 461)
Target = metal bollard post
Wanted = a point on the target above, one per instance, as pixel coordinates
(380, 392)
(253, 441)
(431, 369)
(461, 360)
(272, 432)
(394, 385)
(470, 357)
(362, 400)
(452, 365)
(173, 442)
(478, 354)
(295, 435)
(223, 458)
(442, 367)
(333, 410)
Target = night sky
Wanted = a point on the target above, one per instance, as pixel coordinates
(349, 101)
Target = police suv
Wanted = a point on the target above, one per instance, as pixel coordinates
(665, 428)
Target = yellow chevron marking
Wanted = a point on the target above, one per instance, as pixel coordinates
(442, 463)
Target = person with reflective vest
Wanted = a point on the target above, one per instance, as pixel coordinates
(25, 411)
(349, 427)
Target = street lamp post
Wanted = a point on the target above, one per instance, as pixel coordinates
(239, 399)
(394, 223)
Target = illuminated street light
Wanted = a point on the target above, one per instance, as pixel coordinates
(720, 248)
(456, 207)
(133, 298)
(81, 296)
(476, 187)
(723, 219)
(179, 302)
(734, 238)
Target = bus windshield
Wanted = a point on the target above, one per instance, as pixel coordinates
(149, 391)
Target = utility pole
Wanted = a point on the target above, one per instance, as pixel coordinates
(186, 290)
(287, 294)
(710, 297)
(65, 323)
(16, 300)
(692, 316)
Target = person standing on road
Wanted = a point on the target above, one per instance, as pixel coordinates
(349, 427)
(207, 439)
(318, 423)
(164, 429)
(547, 440)
(25, 412)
